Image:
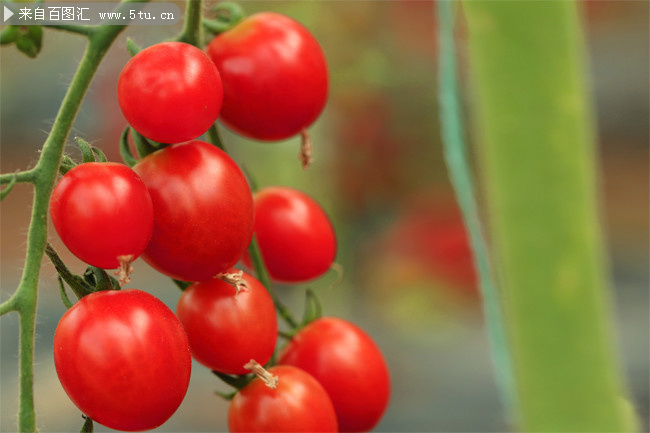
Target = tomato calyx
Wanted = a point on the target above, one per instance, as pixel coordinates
(94, 279)
(241, 381)
(235, 279)
(125, 269)
(265, 376)
(88, 154)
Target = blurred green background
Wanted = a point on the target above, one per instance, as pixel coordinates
(379, 172)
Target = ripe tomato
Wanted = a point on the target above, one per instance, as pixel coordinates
(203, 210)
(102, 211)
(298, 404)
(170, 92)
(226, 329)
(274, 76)
(295, 236)
(123, 359)
(348, 364)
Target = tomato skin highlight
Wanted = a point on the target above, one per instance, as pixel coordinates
(349, 365)
(298, 404)
(102, 211)
(170, 92)
(227, 329)
(203, 210)
(294, 234)
(274, 75)
(123, 359)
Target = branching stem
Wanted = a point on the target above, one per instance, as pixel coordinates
(78, 29)
(19, 176)
(43, 176)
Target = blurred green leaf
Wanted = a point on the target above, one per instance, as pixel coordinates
(538, 165)
(30, 41)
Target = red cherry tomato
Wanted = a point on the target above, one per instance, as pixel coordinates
(294, 234)
(123, 359)
(102, 211)
(170, 92)
(274, 76)
(298, 404)
(226, 329)
(348, 364)
(203, 210)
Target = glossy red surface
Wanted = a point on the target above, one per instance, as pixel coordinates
(102, 211)
(170, 92)
(349, 365)
(274, 74)
(203, 210)
(123, 359)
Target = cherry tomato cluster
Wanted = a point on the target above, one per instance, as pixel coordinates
(122, 356)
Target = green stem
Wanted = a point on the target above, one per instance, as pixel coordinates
(8, 306)
(455, 153)
(81, 30)
(263, 277)
(538, 165)
(192, 30)
(142, 145)
(45, 172)
(19, 176)
(254, 251)
(215, 137)
(5, 192)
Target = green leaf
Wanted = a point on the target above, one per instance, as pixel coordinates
(27, 47)
(67, 164)
(181, 284)
(100, 155)
(79, 285)
(228, 396)
(64, 295)
(9, 35)
(29, 43)
(102, 280)
(236, 381)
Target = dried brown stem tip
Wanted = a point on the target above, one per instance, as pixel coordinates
(270, 380)
(125, 268)
(339, 275)
(306, 151)
(235, 279)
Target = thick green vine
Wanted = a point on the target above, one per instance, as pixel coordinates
(43, 176)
